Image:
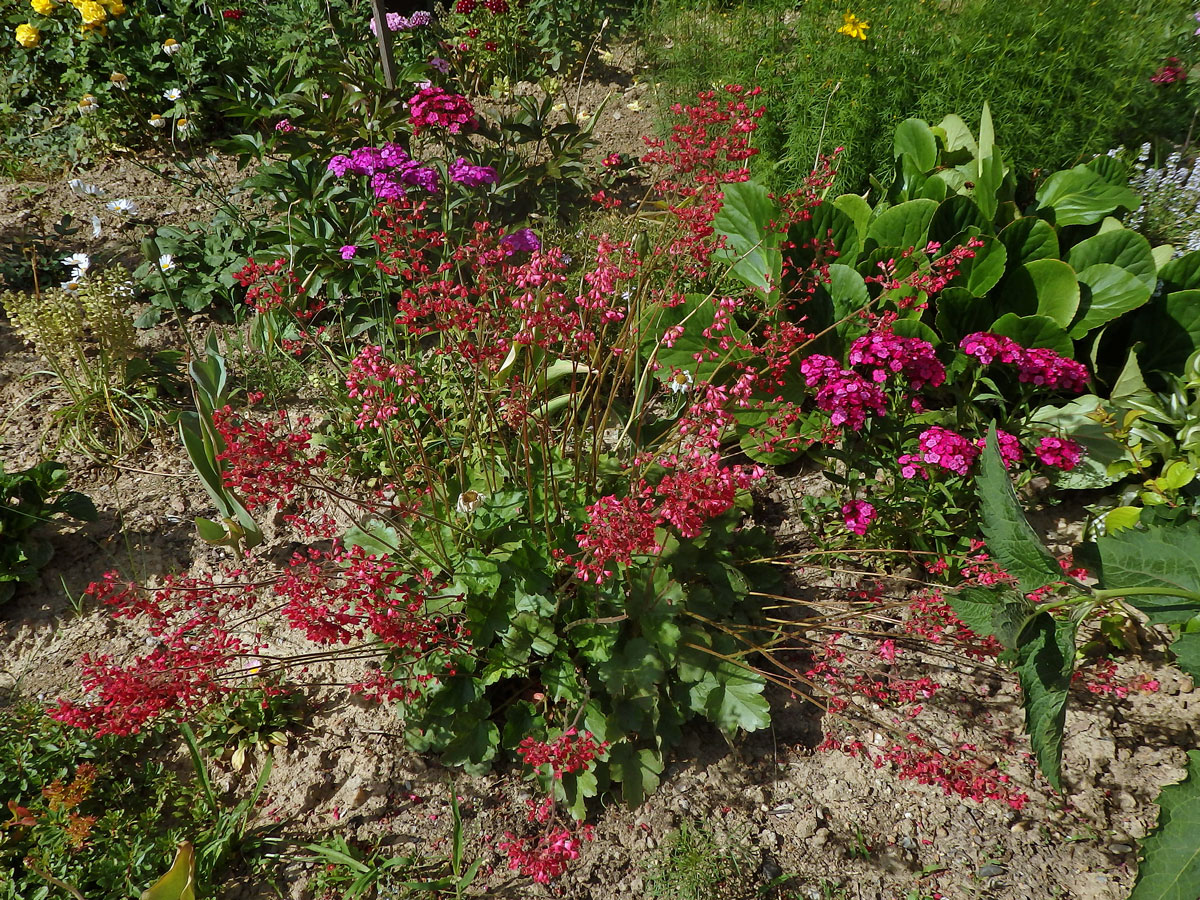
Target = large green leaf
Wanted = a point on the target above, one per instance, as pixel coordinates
(1079, 196)
(637, 770)
(1170, 328)
(902, 226)
(956, 135)
(1035, 331)
(1045, 659)
(1157, 557)
(980, 273)
(1170, 867)
(915, 139)
(954, 216)
(180, 881)
(1043, 287)
(998, 614)
(1123, 248)
(746, 220)
(960, 313)
(1010, 539)
(1112, 291)
(732, 698)
(1183, 273)
(1186, 648)
(1030, 238)
(858, 211)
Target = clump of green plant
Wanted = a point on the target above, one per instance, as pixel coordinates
(254, 720)
(694, 864)
(99, 816)
(29, 258)
(113, 396)
(28, 499)
(1065, 82)
(1170, 208)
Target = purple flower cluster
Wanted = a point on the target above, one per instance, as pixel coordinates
(463, 172)
(397, 22)
(1039, 366)
(523, 240)
(1060, 453)
(431, 106)
(883, 354)
(390, 168)
(846, 396)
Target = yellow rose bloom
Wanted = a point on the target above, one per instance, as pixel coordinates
(43, 7)
(28, 36)
(93, 13)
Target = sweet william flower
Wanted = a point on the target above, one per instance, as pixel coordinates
(28, 36)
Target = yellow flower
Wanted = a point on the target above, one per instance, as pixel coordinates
(854, 27)
(93, 13)
(28, 36)
(43, 7)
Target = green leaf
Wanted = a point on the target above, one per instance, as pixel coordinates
(902, 226)
(77, 506)
(1123, 248)
(1170, 867)
(1044, 287)
(637, 770)
(736, 701)
(1112, 291)
(858, 210)
(960, 313)
(915, 139)
(1186, 648)
(211, 532)
(745, 220)
(1183, 273)
(1010, 540)
(957, 135)
(982, 272)
(1157, 557)
(1121, 518)
(180, 881)
(954, 216)
(634, 668)
(1035, 331)
(1045, 659)
(1079, 196)
(999, 614)
(377, 538)
(1028, 239)
(1170, 328)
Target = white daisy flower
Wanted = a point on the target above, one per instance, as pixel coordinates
(83, 189)
(166, 262)
(171, 46)
(680, 382)
(123, 206)
(88, 104)
(172, 94)
(468, 502)
(80, 262)
(95, 227)
(156, 121)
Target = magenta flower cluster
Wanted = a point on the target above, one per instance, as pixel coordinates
(463, 172)
(391, 170)
(858, 515)
(397, 22)
(845, 395)
(1059, 453)
(1039, 366)
(433, 107)
(883, 354)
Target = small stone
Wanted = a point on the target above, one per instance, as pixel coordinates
(1120, 849)
(990, 871)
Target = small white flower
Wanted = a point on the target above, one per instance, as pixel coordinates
(85, 190)
(680, 382)
(78, 274)
(70, 286)
(123, 206)
(166, 262)
(156, 121)
(81, 262)
(95, 227)
(171, 46)
(182, 127)
(468, 502)
(88, 104)
(119, 80)
(634, 105)
(172, 94)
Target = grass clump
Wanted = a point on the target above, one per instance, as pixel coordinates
(1065, 80)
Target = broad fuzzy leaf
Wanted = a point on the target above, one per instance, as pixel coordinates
(1170, 868)
(1010, 540)
(1156, 557)
(1045, 658)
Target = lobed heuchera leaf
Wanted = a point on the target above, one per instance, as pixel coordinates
(1045, 659)
(1156, 557)
(1170, 868)
(1010, 540)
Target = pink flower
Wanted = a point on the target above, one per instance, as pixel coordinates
(284, 126)
(434, 107)
(1059, 453)
(858, 514)
(348, 251)
(987, 347)
(1170, 72)
(884, 354)
(944, 448)
(1010, 447)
